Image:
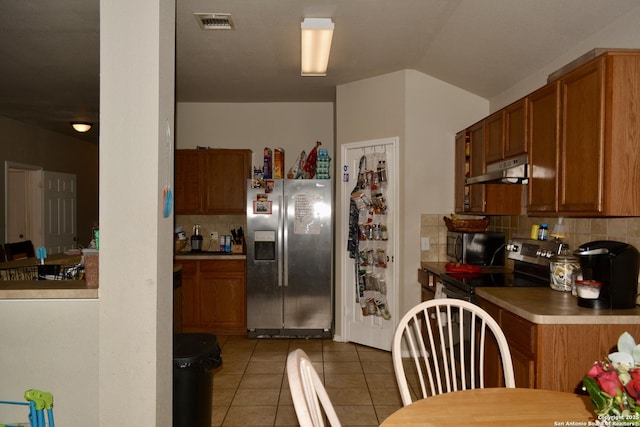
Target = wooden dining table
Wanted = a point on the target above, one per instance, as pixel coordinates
(522, 407)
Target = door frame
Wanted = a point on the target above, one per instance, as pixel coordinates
(34, 209)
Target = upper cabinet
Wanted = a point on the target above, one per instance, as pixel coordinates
(543, 129)
(597, 169)
(515, 120)
(211, 181)
(506, 135)
(582, 136)
(486, 199)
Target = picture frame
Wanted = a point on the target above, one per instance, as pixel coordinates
(262, 207)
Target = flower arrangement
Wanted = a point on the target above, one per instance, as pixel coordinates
(614, 384)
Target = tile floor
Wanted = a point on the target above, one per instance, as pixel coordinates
(251, 388)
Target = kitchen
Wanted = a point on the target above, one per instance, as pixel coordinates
(354, 106)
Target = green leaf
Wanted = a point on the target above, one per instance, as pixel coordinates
(601, 400)
(626, 343)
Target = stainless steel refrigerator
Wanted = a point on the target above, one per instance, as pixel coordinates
(289, 258)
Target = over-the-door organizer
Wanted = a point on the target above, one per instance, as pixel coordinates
(369, 235)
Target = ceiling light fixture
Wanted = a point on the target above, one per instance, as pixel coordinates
(316, 35)
(81, 127)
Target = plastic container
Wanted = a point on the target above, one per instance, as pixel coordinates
(194, 358)
(543, 233)
(564, 269)
(535, 232)
(588, 289)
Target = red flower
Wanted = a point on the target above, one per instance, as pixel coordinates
(633, 386)
(595, 370)
(609, 382)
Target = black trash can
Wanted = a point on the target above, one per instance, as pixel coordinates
(194, 358)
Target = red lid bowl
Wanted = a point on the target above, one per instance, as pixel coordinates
(594, 283)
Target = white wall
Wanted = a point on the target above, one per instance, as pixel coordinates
(425, 113)
(365, 110)
(136, 241)
(624, 33)
(294, 126)
(50, 345)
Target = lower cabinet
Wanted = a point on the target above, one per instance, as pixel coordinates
(549, 356)
(214, 296)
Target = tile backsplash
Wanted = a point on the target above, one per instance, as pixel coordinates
(577, 231)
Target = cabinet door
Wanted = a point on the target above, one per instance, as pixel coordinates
(225, 173)
(461, 190)
(494, 137)
(582, 143)
(190, 294)
(524, 369)
(187, 182)
(476, 163)
(543, 118)
(515, 124)
(223, 296)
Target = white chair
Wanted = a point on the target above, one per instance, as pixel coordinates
(440, 356)
(310, 399)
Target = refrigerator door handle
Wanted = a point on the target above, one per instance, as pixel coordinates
(280, 241)
(285, 237)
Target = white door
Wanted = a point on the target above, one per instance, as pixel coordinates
(370, 278)
(59, 211)
(23, 198)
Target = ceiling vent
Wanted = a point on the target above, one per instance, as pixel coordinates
(215, 21)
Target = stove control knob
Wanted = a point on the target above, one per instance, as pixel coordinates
(512, 247)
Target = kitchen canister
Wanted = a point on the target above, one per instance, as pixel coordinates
(564, 270)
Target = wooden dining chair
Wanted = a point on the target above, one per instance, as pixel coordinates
(310, 399)
(442, 345)
(19, 250)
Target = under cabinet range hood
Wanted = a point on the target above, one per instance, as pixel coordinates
(510, 171)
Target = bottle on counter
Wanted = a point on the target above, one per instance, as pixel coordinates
(543, 233)
(535, 232)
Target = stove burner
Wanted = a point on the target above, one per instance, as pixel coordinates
(531, 269)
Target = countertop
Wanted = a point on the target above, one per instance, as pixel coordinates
(46, 289)
(208, 255)
(546, 306)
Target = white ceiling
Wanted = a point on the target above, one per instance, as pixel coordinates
(50, 58)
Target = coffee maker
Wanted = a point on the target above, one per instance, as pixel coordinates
(615, 265)
(196, 239)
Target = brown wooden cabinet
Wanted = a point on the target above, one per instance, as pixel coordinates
(516, 140)
(506, 135)
(584, 130)
(461, 192)
(581, 132)
(187, 182)
(211, 181)
(214, 296)
(543, 127)
(494, 137)
(476, 167)
(582, 142)
(492, 199)
(550, 356)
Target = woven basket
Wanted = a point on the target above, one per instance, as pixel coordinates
(466, 225)
(180, 245)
